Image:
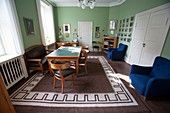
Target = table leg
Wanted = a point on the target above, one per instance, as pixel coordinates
(77, 67)
(50, 68)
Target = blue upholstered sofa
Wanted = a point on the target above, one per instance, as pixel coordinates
(152, 81)
(117, 53)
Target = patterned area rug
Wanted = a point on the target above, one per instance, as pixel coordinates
(120, 96)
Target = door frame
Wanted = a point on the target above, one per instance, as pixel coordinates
(91, 34)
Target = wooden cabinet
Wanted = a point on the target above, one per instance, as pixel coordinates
(109, 42)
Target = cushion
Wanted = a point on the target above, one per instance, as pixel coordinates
(95, 46)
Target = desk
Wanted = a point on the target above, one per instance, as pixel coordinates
(66, 53)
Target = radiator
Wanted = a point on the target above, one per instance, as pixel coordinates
(12, 71)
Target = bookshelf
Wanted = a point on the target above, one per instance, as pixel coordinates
(109, 42)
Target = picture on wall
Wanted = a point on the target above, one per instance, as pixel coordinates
(97, 33)
(29, 26)
(97, 29)
(60, 30)
(66, 28)
(112, 24)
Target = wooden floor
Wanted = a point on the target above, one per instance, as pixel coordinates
(154, 105)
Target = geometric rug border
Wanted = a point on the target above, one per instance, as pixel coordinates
(120, 97)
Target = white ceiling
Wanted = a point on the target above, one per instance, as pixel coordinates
(99, 3)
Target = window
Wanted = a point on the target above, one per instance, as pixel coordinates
(10, 35)
(45, 11)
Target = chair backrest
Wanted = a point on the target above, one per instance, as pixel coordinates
(37, 51)
(85, 47)
(96, 42)
(161, 68)
(122, 47)
(84, 53)
(58, 65)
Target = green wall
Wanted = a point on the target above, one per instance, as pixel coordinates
(71, 15)
(132, 7)
(100, 17)
(28, 9)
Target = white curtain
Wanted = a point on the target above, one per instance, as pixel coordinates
(10, 33)
(46, 19)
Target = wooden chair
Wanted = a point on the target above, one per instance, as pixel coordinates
(35, 58)
(83, 59)
(86, 47)
(61, 71)
(96, 45)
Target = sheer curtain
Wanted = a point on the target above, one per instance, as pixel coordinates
(45, 13)
(10, 35)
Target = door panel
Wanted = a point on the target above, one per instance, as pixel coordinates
(138, 38)
(85, 34)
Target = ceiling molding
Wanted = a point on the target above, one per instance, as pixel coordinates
(117, 3)
(72, 4)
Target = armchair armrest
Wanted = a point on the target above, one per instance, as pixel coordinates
(157, 87)
(135, 69)
(111, 49)
(34, 60)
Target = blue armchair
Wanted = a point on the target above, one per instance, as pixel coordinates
(117, 53)
(152, 81)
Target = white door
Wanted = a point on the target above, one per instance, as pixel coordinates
(149, 36)
(138, 38)
(85, 34)
(155, 37)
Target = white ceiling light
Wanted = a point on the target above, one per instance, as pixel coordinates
(84, 3)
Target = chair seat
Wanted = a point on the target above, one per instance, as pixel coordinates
(82, 60)
(95, 46)
(65, 72)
